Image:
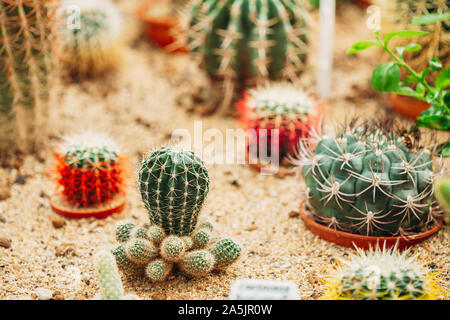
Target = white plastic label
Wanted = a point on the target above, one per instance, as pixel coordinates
(255, 289)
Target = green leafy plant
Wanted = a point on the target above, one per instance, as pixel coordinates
(387, 77)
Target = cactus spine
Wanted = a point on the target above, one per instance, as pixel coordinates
(94, 47)
(90, 169)
(278, 106)
(109, 277)
(382, 274)
(173, 184)
(27, 66)
(250, 41)
(369, 180)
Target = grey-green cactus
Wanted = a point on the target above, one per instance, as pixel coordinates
(110, 282)
(140, 251)
(197, 263)
(369, 180)
(172, 248)
(158, 270)
(201, 238)
(250, 41)
(225, 251)
(173, 184)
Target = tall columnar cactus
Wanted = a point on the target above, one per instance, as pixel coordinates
(247, 41)
(173, 184)
(194, 255)
(278, 106)
(382, 274)
(397, 15)
(110, 282)
(369, 180)
(442, 187)
(90, 169)
(27, 69)
(92, 40)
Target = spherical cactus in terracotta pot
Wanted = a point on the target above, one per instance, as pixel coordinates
(91, 174)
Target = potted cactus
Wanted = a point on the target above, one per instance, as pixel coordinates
(161, 22)
(28, 60)
(382, 274)
(240, 43)
(281, 107)
(90, 173)
(369, 183)
(94, 47)
(173, 184)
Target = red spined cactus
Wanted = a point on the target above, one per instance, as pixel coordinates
(90, 170)
(278, 106)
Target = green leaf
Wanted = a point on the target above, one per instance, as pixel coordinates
(403, 34)
(431, 18)
(435, 64)
(412, 47)
(360, 46)
(386, 77)
(444, 149)
(434, 117)
(407, 91)
(443, 80)
(420, 89)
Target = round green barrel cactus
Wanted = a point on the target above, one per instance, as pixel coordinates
(249, 41)
(369, 180)
(225, 251)
(173, 184)
(382, 274)
(197, 263)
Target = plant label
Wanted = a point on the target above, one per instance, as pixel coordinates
(256, 289)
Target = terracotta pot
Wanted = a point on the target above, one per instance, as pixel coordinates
(60, 206)
(407, 106)
(157, 28)
(351, 240)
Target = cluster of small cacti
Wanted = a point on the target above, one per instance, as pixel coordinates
(90, 169)
(278, 106)
(381, 274)
(109, 278)
(173, 184)
(398, 14)
(27, 68)
(92, 42)
(243, 42)
(367, 179)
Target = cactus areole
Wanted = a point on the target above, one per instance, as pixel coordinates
(173, 184)
(366, 180)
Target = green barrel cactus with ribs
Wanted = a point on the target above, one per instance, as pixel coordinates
(369, 180)
(241, 41)
(173, 184)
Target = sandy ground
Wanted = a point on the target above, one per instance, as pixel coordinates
(138, 106)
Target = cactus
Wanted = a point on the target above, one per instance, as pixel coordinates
(242, 42)
(93, 47)
(382, 274)
(28, 51)
(201, 238)
(197, 263)
(173, 184)
(397, 15)
(158, 270)
(90, 169)
(156, 234)
(225, 251)
(110, 281)
(278, 106)
(140, 251)
(442, 189)
(172, 248)
(371, 179)
(123, 231)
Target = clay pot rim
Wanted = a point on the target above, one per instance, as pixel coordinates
(406, 106)
(99, 213)
(319, 230)
(168, 21)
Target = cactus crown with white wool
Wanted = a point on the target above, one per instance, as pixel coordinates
(248, 40)
(372, 179)
(381, 274)
(173, 183)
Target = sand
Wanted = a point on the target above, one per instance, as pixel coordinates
(138, 107)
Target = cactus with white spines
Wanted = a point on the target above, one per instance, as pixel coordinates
(369, 179)
(173, 184)
(382, 274)
(95, 47)
(28, 65)
(243, 42)
(225, 252)
(108, 274)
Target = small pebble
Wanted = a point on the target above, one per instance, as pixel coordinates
(20, 180)
(58, 222)
(293, 214)
(252, 228)
(5, 193)
(159, 296)
(43, 293)
(57, 295)
(5, 242)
